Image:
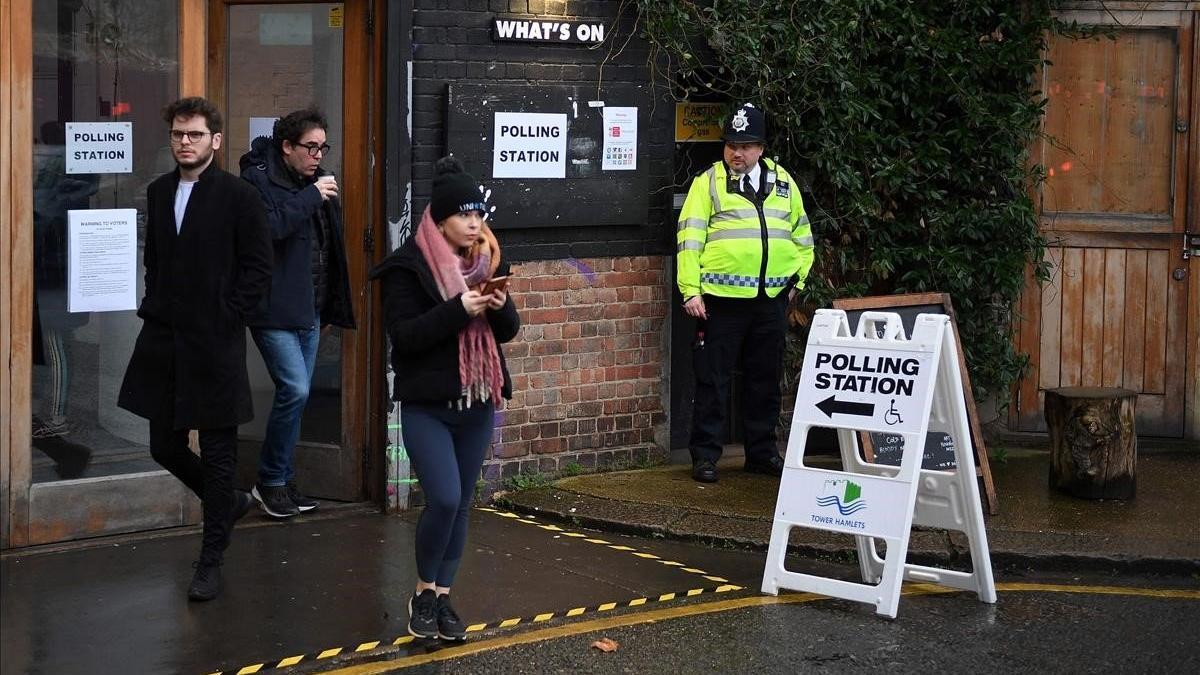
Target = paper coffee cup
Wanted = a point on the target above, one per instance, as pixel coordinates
(326, 177)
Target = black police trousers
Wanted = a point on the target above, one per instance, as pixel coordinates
(749, 331)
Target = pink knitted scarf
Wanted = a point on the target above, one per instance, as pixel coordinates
(478, 356)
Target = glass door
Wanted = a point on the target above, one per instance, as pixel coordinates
(266, 60)
(99, 69)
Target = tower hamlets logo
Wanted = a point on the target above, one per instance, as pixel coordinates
(740, 121)
(845, 495)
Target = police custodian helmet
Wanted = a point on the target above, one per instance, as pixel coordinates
(747, 124)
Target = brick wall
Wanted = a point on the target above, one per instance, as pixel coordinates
(588, 367)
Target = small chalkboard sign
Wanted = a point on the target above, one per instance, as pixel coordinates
(883, 448)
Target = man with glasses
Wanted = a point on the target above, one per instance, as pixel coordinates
(208, 265)
(310, 288)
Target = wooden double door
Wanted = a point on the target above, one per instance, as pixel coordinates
(1118, 203)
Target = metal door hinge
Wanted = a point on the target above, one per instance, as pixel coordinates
(369, 239)
(1191, 245)
(370, 22)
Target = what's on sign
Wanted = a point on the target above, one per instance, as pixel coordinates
(514, 29)
(864, 387)
(99, 147)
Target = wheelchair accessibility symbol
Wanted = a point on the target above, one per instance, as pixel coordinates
(892, 416)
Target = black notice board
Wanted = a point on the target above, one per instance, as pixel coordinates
(587, 195)
(884, 448)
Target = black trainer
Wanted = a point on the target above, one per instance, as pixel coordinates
(275, 500)
(303, 503)
(206, 582)
(422, 614)
(449, 626)
(242, 501)
(771, 466)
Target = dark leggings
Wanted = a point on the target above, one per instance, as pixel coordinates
(446, 447)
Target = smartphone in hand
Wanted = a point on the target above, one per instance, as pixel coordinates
(495, 283)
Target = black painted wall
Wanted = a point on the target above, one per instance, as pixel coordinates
(452, 42)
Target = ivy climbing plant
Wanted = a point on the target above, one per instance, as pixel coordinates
(909, 125)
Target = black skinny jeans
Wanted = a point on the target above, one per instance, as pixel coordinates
(210, 476)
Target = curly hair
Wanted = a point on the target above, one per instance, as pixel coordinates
(295, 124)
(192, 106)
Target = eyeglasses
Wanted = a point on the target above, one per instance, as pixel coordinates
(177, 136)
(313, 148)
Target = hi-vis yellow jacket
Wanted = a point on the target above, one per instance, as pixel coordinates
(729, 245)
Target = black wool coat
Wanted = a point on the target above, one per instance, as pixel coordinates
(189, 362)
(423, 329)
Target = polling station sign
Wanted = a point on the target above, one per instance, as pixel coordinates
(99, 147)
(864, 388)
(530, 145)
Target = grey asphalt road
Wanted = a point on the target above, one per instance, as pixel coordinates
(311, 593)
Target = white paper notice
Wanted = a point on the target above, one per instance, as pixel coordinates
(99, 147)
(620, 139)
(530, 145)
(102, 263)
(261, 126)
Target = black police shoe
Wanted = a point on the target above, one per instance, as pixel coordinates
(206, 582)
(771, 466)
(704, 471)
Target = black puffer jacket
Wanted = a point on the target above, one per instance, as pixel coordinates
(423, 329)
(294, 212)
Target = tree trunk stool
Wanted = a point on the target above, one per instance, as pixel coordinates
(1093, 441)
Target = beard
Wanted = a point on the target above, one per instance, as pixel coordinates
(198, 159)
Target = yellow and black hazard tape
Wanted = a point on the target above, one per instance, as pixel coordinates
(305, 659)
(530, 520)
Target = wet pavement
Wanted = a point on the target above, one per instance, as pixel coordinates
(308, 587)
(1091, 624)
(331, 592)
(1158, 531)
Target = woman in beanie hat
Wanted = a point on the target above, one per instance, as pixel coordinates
(449, 375)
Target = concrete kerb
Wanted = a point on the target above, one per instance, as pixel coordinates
(927, 547)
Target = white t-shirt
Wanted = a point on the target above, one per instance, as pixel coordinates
(182, 194)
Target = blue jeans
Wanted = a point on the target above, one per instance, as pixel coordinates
(290, 357)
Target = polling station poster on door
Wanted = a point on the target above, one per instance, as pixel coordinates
(102, 260)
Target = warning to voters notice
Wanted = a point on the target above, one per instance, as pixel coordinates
(863, 388)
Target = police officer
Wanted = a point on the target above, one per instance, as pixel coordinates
(745, 246)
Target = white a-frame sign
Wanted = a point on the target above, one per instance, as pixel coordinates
(877, 380)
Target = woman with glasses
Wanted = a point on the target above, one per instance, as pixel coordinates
(310, 288)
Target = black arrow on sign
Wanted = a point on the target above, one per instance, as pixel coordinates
(831, 405)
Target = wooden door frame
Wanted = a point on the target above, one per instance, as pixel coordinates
(1027, 335)
(362, 365)
(16, 249)
(16, 253)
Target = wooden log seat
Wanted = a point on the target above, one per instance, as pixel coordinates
(1093, 441)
